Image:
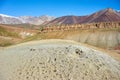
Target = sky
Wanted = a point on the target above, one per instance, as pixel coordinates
(55, 8)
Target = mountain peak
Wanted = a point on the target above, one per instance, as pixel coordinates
(105, 15)
(6, 19)
(110, 10)
(3, 15)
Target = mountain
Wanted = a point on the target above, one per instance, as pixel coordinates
(118, 12)
(36, 20)
(5, 19)
(67, 20)
(106, 15)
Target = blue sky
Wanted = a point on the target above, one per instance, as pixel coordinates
(55, 7)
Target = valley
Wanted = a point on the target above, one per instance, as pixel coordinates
(63, 48)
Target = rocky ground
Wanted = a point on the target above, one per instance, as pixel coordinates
(56, 60)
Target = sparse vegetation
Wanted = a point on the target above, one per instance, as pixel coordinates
(4, 32)
(41, 28)
(26, 26)
(6, 37)
(38, 36)
(4, 43)
(64, 34)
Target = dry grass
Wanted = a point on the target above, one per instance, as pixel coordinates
(4, 32)
(4, 42)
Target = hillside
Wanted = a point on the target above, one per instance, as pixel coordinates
(105, 15)
(104, 38)
(6, 19)
(57, 60)
(7, 37)
(67, 20)
(12, 35)
(104, 35)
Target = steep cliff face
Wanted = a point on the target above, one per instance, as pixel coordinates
(103, 34)
(104, 39)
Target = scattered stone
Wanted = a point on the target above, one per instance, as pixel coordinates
(49, 61)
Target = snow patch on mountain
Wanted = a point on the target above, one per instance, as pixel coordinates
(6, 19)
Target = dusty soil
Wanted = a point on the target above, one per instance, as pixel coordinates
(104, 38)
(56, 60)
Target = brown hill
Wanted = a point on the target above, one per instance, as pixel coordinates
(11, 35)
(106, 15)
(67, 20)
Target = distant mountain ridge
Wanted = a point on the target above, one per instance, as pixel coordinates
(67, 20)
(36, 20)
(5, 19)
(106, 15)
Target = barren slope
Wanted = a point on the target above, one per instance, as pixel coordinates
(67, 20)
(104, 38)
(56, 60)
(105, 15)
(11, 35)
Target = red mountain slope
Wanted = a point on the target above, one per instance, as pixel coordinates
(106, 15)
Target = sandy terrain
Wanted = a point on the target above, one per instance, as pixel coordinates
(56, 60)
